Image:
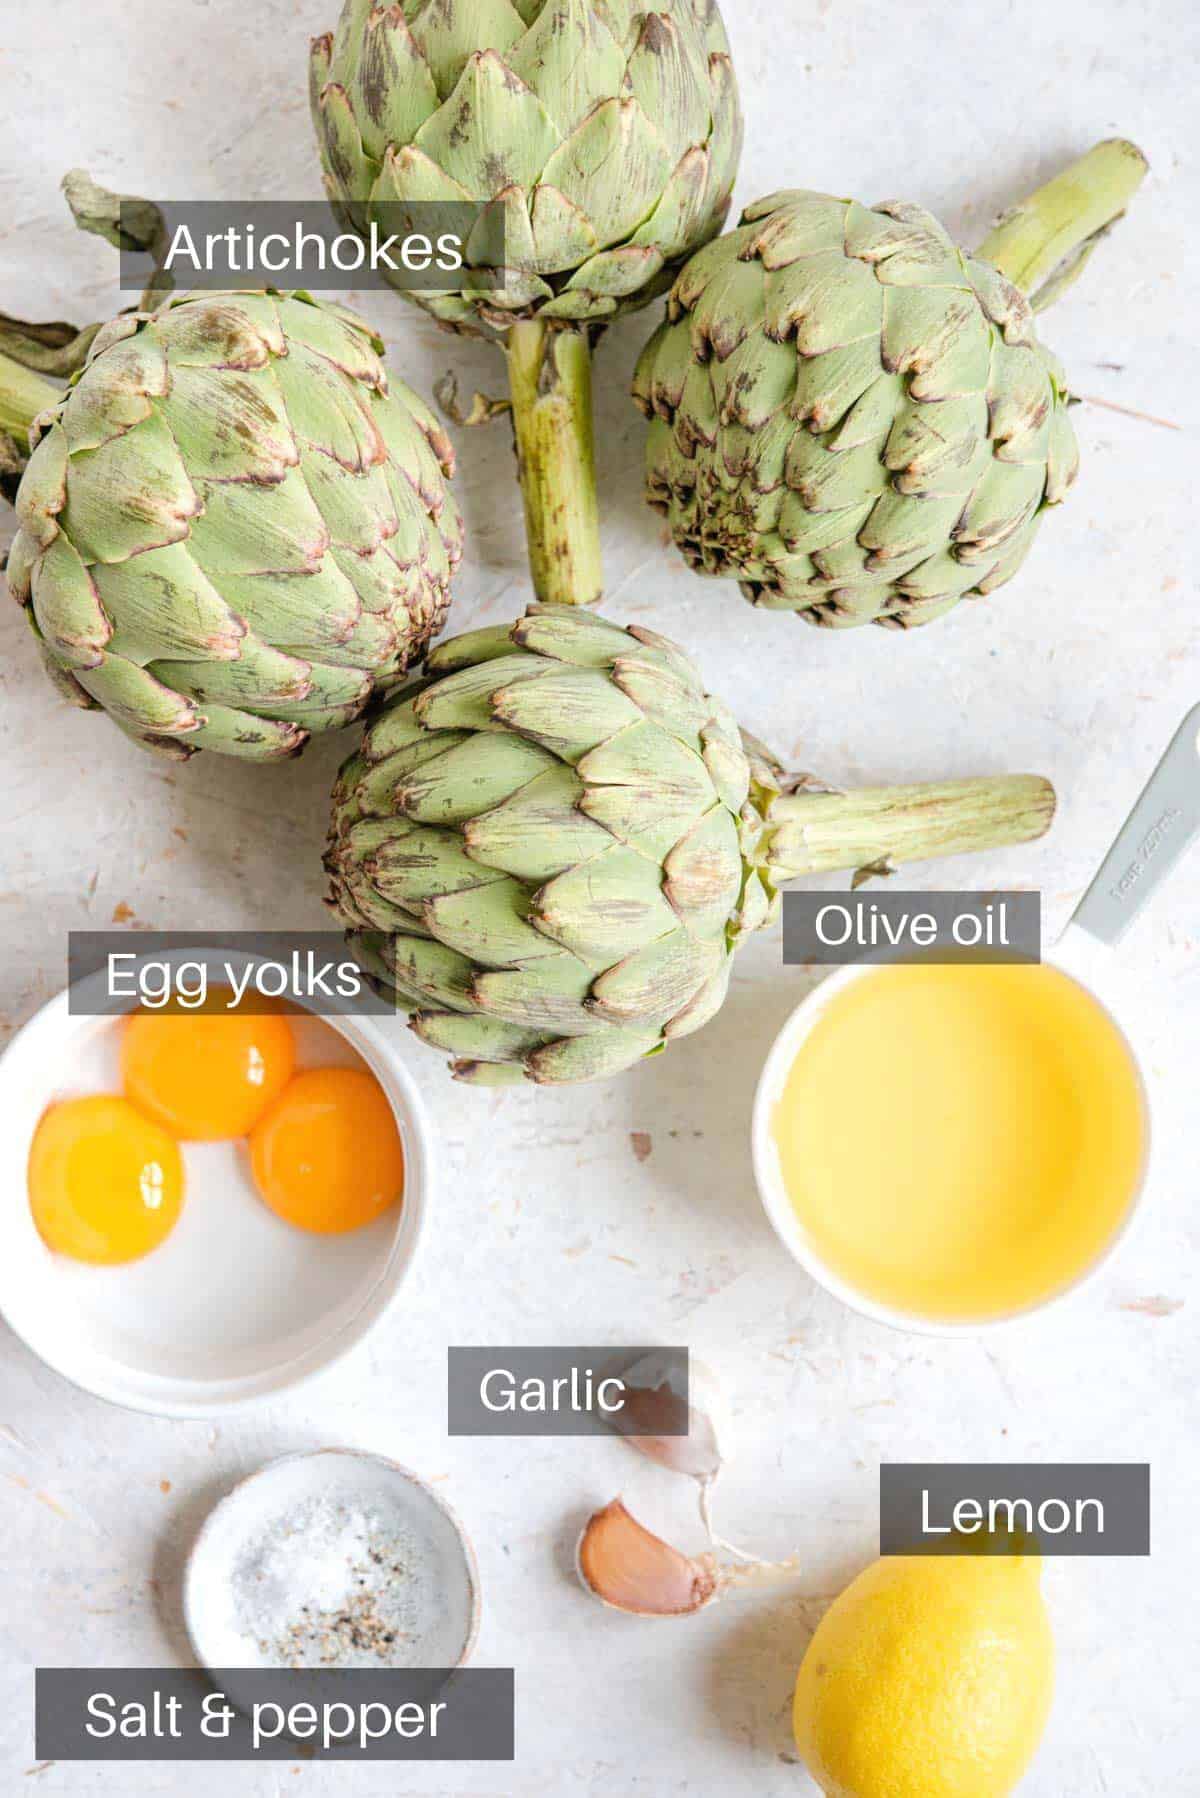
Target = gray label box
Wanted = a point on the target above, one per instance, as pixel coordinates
(414, 245)
(252, 1714)
(837, 929)
(1071, 1508)
(562, 1391)
(111, 972)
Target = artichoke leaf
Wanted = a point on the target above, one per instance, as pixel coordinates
(67, 606)
(477, 773)
(474, 1036)
(606, 907)
(240, 330)
(664, 75)
(470, 648)
(570, 59)
(130, 495)
(901, 527)
(704, 873)
(391, 81)
(828, 386)
(1006, 499)
(658, 981)
(537, 833)
(489, 924)
(794, 224)
(463, 699)
(163, 602)
(755, 382)
(450, 32)
(1021, 402)
(230, 427)
(591, 1057)
(570, 634)
(258, 678)
(567, 710)
(561, 235)
(249, 530)
(326, 411)
(492, 132)
(313, 610)
(824, 302)
(136, 698)
(350, 169)
(941, 340)
(659, 694)
(116, 391)
(43, 490)
(547, 994)
(707, 1002)
(357, 507)
(905, 245)
(420, 862)
(612, 167)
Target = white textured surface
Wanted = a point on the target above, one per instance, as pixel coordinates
(550, 1227)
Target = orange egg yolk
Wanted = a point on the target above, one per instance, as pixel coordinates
(105, 1183)
(209, 1073)
(327, 1155)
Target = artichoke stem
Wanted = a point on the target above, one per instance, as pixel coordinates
(817, 833)
(1043, 244)
(23, 395)
(550, 380)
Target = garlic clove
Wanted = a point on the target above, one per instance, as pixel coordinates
(655, 1400)
(631, 1569)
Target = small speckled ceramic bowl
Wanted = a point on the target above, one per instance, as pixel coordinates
(333, 1483)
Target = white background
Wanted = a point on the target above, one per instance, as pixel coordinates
(549, 1227)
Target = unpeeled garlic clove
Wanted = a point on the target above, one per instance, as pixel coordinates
(628, 1567)
(655, 1401)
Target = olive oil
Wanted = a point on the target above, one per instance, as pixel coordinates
(960, 1141)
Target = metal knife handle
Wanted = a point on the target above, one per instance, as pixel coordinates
(1160, 827)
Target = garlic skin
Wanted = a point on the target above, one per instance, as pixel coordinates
(654, 1400)
(630, 1569)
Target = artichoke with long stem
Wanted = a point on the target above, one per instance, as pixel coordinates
(598, 140)
(550, 849)
(854, 418)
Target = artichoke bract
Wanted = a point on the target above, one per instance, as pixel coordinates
(599, 137)
(234, 529)
(549, 850)
(853, 417)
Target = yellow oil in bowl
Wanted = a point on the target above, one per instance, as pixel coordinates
(961, 1141)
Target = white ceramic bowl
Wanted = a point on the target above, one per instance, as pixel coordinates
(447, 1619)
(1073, 955)
(235, 1306)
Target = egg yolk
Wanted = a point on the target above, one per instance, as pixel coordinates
(327, 1155)
(105, 1183)
(206, 1073)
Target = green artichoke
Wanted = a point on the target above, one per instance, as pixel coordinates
(601, 137)
(855, 418)
(233, 530)
(550, 849)
(604, 135)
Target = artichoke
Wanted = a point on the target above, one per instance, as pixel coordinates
(550, 848)
(602, 137)
(855, 418)
(234, 531)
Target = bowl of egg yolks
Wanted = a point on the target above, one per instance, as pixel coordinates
(206, 1205)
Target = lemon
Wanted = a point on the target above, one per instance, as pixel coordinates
(930, 1677)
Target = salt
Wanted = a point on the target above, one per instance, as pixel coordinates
(336, 1583)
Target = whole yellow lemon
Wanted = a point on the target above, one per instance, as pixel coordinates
(930, 1677)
